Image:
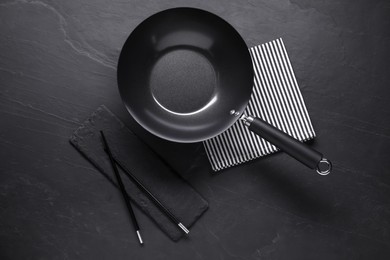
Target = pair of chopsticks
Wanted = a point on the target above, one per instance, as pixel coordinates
(114, 162)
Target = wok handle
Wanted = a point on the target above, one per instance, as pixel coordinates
(300, 151)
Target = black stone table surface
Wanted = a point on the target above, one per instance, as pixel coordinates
(58, 64)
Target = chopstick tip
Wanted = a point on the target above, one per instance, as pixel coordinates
(183, 228)
(139, 237)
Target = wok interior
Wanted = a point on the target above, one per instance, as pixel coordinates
(182, 71)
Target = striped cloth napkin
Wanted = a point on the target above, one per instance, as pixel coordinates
(276, 98)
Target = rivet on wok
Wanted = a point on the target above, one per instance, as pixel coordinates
(234, 112)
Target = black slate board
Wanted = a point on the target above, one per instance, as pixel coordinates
(173, 191)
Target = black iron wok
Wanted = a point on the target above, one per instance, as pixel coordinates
(186, 75)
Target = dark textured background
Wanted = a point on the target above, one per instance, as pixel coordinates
(57, 65)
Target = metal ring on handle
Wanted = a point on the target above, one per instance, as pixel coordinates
(329, 167)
